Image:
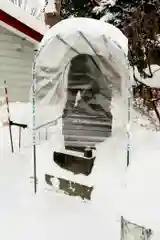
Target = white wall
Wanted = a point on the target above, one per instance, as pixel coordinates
(16, 56)
(23, 16)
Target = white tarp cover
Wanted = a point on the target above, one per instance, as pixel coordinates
(82, 63)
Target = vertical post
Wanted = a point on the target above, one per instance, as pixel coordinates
(34, 127)
(122, 228)
(128, 131)
(129, 99)
(39, 136)
(8, 112)
(19, 138)
(46, 134)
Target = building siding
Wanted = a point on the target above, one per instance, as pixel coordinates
(16, 57)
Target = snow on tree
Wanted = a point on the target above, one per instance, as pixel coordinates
(138, 19)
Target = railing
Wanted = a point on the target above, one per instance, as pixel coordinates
(33, 7)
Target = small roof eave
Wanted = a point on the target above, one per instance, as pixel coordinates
(20, 22)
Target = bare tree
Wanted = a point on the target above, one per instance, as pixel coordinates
(142, 29)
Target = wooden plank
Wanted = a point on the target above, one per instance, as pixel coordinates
(16, 45)
(84, 138)
(81, 144)
(79, 86)
(81, 132)
(86, 122)
(5, 68)
(15, 62)
(84, 127)
(9, 38)
(10, 53)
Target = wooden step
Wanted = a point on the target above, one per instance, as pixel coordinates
(84, 115)
(97, 112)
(84, 138)
(86, 133)
(79, 144)
(79, 86)
(85, 122)
(71, 126)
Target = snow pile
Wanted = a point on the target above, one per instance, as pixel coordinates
(118, 191)
(48, 214)
(66, 27)
(107, 17)
(103, 4)
(134, 195)
(141, 196)
(23, 114)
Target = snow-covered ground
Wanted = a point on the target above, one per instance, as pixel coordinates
(48, 214)
(132, 193)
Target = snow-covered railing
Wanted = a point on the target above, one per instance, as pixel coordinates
(33, 7)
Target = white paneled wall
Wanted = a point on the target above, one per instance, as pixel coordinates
(16, 57)
(33, 7)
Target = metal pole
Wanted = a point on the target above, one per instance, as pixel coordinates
(39, 136)
(19, 138)
(46, 133)
(34, 127)
(128, 125)
(8, 112)
(122, 228)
